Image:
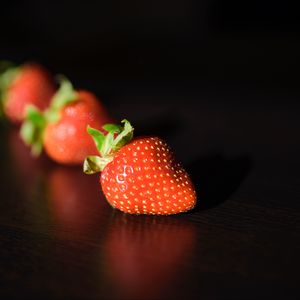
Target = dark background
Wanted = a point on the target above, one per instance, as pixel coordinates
(219, 80)
(253, 44)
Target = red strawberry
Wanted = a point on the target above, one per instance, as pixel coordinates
(61, 129)
(27, 84)
(142, 177)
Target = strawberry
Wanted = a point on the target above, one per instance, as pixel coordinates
(20, 86)
(140, 176)
(61, 129)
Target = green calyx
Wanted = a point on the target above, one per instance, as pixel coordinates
(8, 73)
(32, 130)
(64, 96)
(107, 145)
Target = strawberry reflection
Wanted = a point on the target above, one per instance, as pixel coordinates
(28, 171)
(26, 178)
(144, 255)
(76, 204)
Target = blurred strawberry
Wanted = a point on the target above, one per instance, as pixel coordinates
(28, 84)
(144, 254)
(61, 129)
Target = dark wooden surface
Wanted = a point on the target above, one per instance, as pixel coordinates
(59, 239)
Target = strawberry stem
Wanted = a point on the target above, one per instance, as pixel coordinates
(32, 129)
(64, 96)
(107, 145)
(95, 164)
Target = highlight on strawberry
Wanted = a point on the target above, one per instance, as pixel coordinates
(139, 176)
(61, 128)
(27, 84)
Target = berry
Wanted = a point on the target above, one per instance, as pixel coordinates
(141, 177)
(29, 84)
(61, 129)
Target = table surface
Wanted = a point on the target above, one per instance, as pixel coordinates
(60, 239)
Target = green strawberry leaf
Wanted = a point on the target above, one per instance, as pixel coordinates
(35, 116)
(95, 164)
(97, 136)
(32, 129)
(5, 65)
(64, 96)
(107, 145)
(124, 137)
(27, 132)
(8, 73)
(113, 128)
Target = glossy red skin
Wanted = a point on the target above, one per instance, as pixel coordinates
(145, 178)
(33, 85)
(144, 255)
(67, 141)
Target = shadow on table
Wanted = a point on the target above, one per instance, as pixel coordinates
(216, 178)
